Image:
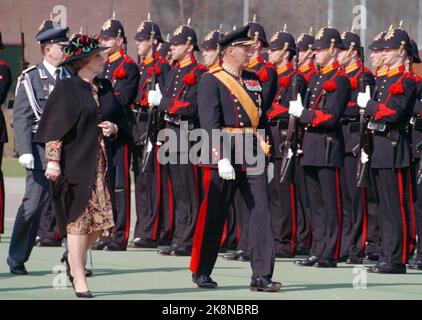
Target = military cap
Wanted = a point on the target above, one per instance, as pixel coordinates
(414, 52)
(239, 36)
(185, 34)
(51, 32)
(145, 30)
(283, 40)
(327, 37)
(378, 40)
(258, 32)
(305, 41)
(112, 28)
(395, 39)
(352, 40)
(211, 40)
(80, 46)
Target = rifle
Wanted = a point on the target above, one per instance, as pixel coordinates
(288, 161)
(150, 139)
(363, 173)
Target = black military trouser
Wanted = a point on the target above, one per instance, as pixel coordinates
(373, 240)
(121, 185)
(303, 221)
(147, 196)
(37, 199)
(283, 212)
(186, 195)
(417, 200)
(48, 228)
(231, 231)
(324, 201)
(355, 218)
(218, 195)
(167, 205)
(392, 190)
(2, 192)
(241, 213)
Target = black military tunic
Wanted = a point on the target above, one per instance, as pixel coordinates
(123, 73)
(323, 155)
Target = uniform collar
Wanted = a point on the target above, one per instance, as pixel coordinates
(330, 67)
(150, 59)
(395, 71)
(381, 72)
(214, 66)
(354, 66)
(284, 68)
(230, 70)
(50, 68)
(186, 62)
(116, 56)
(305, 68)
(255, 62)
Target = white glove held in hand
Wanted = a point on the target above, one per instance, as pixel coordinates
(226, 170)
(155, 96)
(364, 157)
(296, 107)
(364, 97)
(27, 160)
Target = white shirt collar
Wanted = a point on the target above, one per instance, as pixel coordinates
(50, 68)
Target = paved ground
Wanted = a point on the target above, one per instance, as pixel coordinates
(143, 274)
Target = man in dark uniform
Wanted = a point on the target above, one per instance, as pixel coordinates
(178, 103)
(5, 83)
(323, 147)
(283, 195)
(416, 153)
(303, 221)
(354, 199)
(123, 73)
(390, 110)
(268, 78)
(230, 100)
(153, 68)
(33, 88)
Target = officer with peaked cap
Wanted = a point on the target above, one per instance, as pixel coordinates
(34, 86)
(5, 83)
(221, 91)
(123, 73)
(354, 199)
(389, 110)
(283, 195)
(323, 147)
(179, 106)
(153, 71)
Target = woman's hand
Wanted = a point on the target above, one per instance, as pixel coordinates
(109, 128)
(53, 170)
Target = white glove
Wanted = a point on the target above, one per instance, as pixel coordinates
(364, 97)
(270, 172)
(296, 107)
(364, 157)
(226, 170)
(155, 96)
(27, 160)
(289, 153)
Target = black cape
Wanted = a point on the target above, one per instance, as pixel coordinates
(72, 116)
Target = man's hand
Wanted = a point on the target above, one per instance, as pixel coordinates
(364, 97)
(296, 107)
(155, 96)
(27, 160)
(53, 170)
(109, 128)
(226, 170)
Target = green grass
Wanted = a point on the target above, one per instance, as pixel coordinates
(12, 168)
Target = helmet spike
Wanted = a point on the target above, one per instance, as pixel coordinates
(311, 30)
(81, 29)
(254, 18)
(189, 21)
(285, 27)
(113, 17)
(401, 24)
(149, 17)
(234, 27)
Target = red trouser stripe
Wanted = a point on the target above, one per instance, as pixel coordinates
(195, 173)
(1, 205)
(293, 205)
(200, 225)
(127, 183)
(158, 181)
(403, 215)
(412, 215)
(171, 212)
(339, 213)
(224, 236)
(364, 221)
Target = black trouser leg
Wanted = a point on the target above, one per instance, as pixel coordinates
(390, 186)
(418, 214)
(241, 213)
(167, 205)
(2, 193)
(373, 238)
(304, 227)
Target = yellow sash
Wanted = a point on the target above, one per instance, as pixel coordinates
(240, 93)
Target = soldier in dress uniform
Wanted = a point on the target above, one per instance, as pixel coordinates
(164, 49)
(230, 100)
(416, 123)
(323, 147)
(178, 103)
(211, 52)
(354, 199)
(390, 110)
(283, 195)
(123, 73)
(153, 70)
(5, 83)
(33, 88)
(304, 228)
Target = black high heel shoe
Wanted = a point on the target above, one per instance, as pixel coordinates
(86, 294)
